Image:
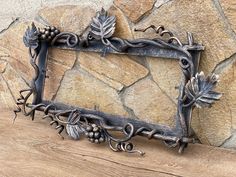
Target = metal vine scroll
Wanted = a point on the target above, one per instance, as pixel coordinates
(195, 89)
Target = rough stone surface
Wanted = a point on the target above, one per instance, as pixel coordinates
(3, 65)
(211, 123)
(15, 51)
(203, 20)
(10, 83)
(220, 120)
(27, 9)
(229, 10)
(15, 9)
(80, 88)
(135, 9)
(14, 81)
(159, 3)
(149, 103)
(167, 74)
(68, 18)
(115, 70)
(6, 98)
(59, 61)
(122, 26)
(230, 143)
(228, 88)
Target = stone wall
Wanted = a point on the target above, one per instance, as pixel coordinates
(137, 87)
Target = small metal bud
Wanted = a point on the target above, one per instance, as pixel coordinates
(53, 28)
(42, 31)
(95, 129)
(94, 125)
(91, 134)
(43, 36)
(52, 34)
(91, 140)
(47, 33)
(89, 128)
(101, 139)
(86, 134)
(56, 31)
(96, 135)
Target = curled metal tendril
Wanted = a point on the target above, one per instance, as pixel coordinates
(21, 105)
(70, 39)
(125, 147)
(22, 101)
(161, 31)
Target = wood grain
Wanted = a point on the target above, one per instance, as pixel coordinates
(33, 149)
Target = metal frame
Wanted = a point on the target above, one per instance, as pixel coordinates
(195, 90)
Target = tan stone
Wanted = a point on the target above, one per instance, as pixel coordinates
(203, 20)
(18, 68)
(167, 74)
(14, 82)
(69, 18)
(149, 103)
(6, 98)
(16, 54)
(59, 61)
(213, 126)
(78, 18)
(227, 86)
(135, 9)
(55, 73)
(64, 57)
(3, 53)
(229, 8)
(122, 26)
(3, 65)
(79, 88)
(115, 70)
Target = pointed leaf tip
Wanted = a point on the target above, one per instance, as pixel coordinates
(102, 26)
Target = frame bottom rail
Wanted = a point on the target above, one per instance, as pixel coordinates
(141, 128)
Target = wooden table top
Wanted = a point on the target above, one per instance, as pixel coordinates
(33, 149)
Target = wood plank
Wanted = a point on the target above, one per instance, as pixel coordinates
(33, 149)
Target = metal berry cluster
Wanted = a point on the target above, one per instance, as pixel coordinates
(48, 33)
(94, 133)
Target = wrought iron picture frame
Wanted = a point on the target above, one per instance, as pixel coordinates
(195, 89)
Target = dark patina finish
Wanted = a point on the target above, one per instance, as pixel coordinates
(195, 89)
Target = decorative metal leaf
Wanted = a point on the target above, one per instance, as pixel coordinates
(199, 89)
(102, 26)
(30, 38)
(74, 131)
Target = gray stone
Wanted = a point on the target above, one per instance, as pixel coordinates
(159, 3)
